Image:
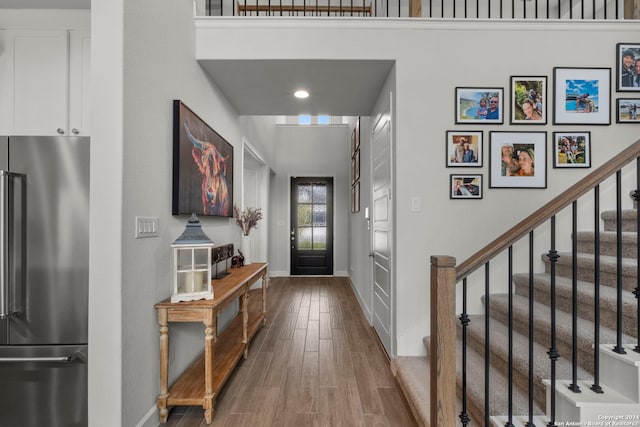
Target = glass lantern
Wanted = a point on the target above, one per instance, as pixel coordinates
(192, 264)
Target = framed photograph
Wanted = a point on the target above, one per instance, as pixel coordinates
(355, 137)
(202, 167)
(464, 149)
(355, 167)
(571, 149)
(355, 197)
(479, 105)
(627, 110)
(465, 186)
(528, 98)
(582, 96)
(628, 67)
(517, 160)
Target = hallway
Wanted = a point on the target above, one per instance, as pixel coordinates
(316, 363)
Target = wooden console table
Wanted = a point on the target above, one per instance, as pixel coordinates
(202, 381)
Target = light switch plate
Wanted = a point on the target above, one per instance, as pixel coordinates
(415, 204)
(147, 226)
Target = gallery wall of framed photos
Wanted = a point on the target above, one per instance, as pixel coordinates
(580, 96)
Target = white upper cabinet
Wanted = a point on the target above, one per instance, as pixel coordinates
(79, 82)
(45, 76)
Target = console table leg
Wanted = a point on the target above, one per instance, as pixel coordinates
(245, 323)
(208, 409)
(164, 365)
(264, 298)
(210, 331)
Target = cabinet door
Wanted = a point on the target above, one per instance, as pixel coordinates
(79, 81)
(40, 82)
(6, 82)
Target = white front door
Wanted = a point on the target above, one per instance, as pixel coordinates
(381, 229)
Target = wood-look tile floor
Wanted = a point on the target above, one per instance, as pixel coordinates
(317, 362)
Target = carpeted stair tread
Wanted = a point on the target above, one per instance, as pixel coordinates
(609, 243)
(542, 326)
(585, 296)
(499, 339)
(629, 219)
(608, 269)
(413, 376)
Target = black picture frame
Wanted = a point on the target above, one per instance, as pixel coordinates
(628, 79)
(582, 96)
(511, 173)
(627, 110)
(202, 167)
(355, 197)
(469, 107)
(528, 100)
(472, 158)
(571, 149)
(465, 186)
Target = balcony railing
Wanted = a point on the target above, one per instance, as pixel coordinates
(435, 9)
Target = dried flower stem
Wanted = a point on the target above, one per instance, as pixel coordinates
(247, 219)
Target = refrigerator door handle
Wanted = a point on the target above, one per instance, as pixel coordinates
(77, 355)
(6, 309)
(4, 244)
(62, 359)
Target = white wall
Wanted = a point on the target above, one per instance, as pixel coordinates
(432, 58)
(262, 130)
(311, 151)
(144, 57)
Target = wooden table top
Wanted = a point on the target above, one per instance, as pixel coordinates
(222, 288)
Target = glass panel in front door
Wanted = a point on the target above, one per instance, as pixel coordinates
(312, 216)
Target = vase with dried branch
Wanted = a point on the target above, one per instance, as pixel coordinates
(247, 219)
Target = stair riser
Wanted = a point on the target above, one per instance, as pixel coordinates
(629, 220)
(590, 409)
(627, 225)
(621, 372)
(629, 248)
(608, 276)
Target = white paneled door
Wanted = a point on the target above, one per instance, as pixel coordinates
(381, 161)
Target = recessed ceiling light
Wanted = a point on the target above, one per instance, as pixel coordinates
(301, 94)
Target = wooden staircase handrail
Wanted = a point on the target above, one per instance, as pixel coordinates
(525, 226)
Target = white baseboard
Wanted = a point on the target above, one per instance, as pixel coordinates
(282, 273)
(150, 419)
(276, 273)
(365, 309)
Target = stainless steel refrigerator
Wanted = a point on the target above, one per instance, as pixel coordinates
(44, 275)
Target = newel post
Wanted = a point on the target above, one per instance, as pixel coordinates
(442, 356)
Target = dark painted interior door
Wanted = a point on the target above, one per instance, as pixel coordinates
(311, 226)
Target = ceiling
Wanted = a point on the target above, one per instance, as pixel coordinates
(45, 4)
(265, 87)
